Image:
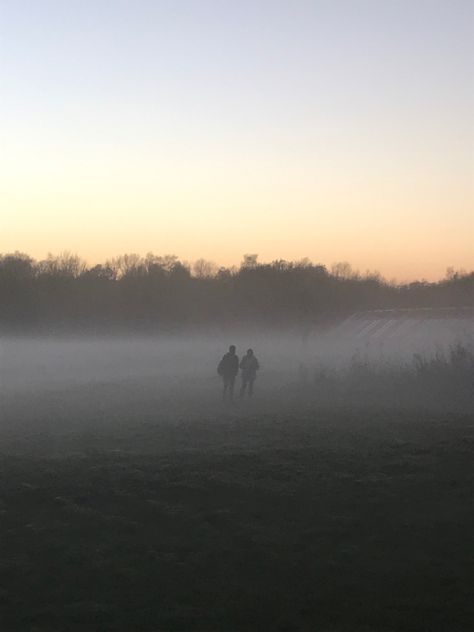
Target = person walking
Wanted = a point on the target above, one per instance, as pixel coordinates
(249, 366)
(228, 368)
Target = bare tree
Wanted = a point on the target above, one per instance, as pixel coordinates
(203, 269)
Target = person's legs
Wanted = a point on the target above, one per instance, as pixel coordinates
(251, 387)
(228, 387)
(231, 387)
(243, 387)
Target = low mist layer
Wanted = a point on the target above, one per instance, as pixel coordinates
(83, 381)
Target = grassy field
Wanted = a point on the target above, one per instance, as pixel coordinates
(244, 518)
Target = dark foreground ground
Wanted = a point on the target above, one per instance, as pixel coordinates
(331, 520)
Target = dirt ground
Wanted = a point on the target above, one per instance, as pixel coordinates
(122, 511)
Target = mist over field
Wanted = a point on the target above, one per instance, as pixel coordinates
(134, 498)
(236, 316)
(153, 329)
(189, 362)
(172, 375)
(149, 503)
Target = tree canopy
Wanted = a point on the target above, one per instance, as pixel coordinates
(162, 293)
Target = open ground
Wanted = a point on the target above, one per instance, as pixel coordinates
(125, 506)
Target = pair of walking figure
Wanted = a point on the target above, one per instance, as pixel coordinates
(228, 369)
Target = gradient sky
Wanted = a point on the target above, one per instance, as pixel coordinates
(332, 129)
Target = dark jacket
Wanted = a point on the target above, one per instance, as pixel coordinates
(229, 365)
(249, 366)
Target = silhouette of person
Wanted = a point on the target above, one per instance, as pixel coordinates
(228, 368)
(249, 366)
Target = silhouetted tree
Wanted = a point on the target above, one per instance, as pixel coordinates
(160, 293)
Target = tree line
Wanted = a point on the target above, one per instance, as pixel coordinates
(162, 293)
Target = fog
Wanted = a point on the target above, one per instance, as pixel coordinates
(33, 364)
(89, 377)
(126, 478)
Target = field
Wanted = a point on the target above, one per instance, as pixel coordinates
(126, 507)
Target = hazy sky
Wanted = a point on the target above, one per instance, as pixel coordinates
(333, 129)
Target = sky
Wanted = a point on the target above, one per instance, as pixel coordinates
(339, 130)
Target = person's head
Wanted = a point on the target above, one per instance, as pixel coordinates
(232, 349)
(250, 352)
